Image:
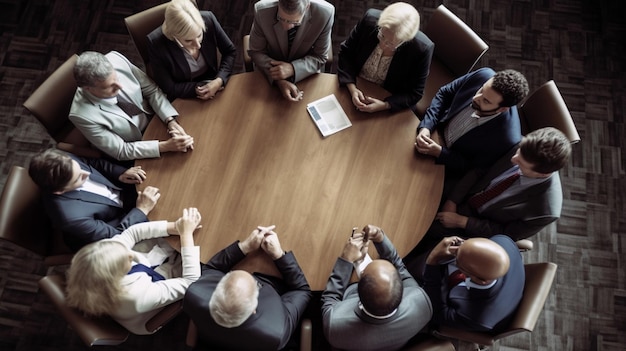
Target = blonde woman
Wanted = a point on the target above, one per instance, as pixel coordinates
(108, 278)
(183, 53)
(386, 48)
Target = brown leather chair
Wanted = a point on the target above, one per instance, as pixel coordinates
(545, 107)
(99, 330)
(50, 103)
(428, 343)
(457, 49)
(24, 222)
(140, 25)
(249, 66)
(539, 278)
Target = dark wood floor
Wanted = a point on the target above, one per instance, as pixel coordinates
(579, 44)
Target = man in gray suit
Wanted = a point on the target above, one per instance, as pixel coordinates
(384, 309)
(290, 40)
(114, 103)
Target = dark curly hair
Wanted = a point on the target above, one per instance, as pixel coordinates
(512, 85)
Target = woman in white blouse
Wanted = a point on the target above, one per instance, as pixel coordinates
(108, 278)
(388, 49)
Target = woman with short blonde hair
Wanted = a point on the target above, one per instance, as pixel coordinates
(183, 53)
(386, 48)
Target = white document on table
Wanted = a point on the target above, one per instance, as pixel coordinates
(328, 115)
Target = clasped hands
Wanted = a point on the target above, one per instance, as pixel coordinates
(357, 245)
(279, 72)
(179, 139)
(264, 238)
(188, 222)
(210, 89)
(365, 103)
(425, 145)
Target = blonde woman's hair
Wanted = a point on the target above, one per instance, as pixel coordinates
(402, 19)
(94, 277)
(181, 17)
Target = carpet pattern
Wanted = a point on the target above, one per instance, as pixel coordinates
(578, 43)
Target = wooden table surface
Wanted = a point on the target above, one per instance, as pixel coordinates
(259, 160)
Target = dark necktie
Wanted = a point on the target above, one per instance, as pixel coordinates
(291, 34)
(483, 197)
(128, 107)
(455, 279)
(143, 268)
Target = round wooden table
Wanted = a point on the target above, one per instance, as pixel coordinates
(259, 160)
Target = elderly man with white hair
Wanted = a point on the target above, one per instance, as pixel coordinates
(236, 310)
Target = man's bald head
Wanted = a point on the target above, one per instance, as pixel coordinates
(380, 288)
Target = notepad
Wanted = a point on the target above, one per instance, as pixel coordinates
(328, 115)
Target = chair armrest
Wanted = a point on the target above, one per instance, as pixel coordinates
(192, 335)
(247, 60)
(306, 335)
(164, 316)
(524, 245)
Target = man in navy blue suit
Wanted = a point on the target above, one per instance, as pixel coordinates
(475, 284)
(90, 199)
(476, 118)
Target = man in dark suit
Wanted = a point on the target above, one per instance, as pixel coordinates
(90, 199)
(476, 118)
(236, 310)
(476, 284)
(290, 40)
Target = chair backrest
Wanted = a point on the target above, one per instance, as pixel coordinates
(141, 24)
(457, 49)
(539, 279)
(23, 220)
(545, 107)
(91, 330)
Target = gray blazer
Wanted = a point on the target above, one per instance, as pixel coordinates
(346, 327)
(309, 50)
(107, 127)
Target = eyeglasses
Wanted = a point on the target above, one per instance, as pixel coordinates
(387, 43)
(286, 21)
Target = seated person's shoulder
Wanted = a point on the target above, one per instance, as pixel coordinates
(323, 6)
(265, 5)
(116, 58)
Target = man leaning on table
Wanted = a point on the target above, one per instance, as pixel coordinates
(290, 40)
(384, 309)
(114, 103)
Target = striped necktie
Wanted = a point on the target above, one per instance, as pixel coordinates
(127, 106)
(483, 197)
(291, 34)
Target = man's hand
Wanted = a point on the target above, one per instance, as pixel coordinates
(254, 240)
(271, 246)
(281, 70)
(189, 221)
(425, 145)
(373, 105)
(209, 90)
(451, 220)
(133, 175)
(147, 199)
(355, 248)
(448, 206)
(174, 128)
(289, 90)
(445, 250)
(374, 233)
(180, 143)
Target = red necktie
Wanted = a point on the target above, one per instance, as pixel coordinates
(455, 278)
(483, 197)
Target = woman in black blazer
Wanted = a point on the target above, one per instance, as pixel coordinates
(183, 53)
(387, 48)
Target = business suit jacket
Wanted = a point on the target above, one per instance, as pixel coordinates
(143, 298)
(85, 217)
(309, 50)
(481, 146)
(408, 69)
(519, 215)
(277, 314)
(109, 128)
(346, 327)
(477, 309)
(169, 65)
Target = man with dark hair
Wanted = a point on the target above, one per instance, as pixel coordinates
(476, 118)
(290, 40)
(518, 196)
(384, 309)
(90, 199)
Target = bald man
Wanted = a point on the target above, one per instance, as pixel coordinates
(485, 297)
(384, 309)
(236, 310)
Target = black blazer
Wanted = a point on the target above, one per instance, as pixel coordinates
(408, 69)
(170, 68)
(84, 217)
